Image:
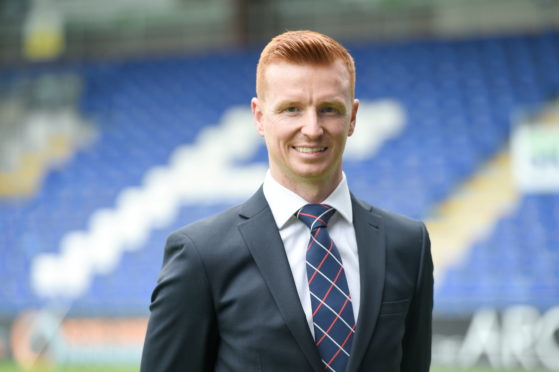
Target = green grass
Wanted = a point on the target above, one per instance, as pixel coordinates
(447, 369)
(11, 367)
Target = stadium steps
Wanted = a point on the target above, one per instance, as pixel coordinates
(25, 179)
(472, 211)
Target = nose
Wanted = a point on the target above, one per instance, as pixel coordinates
(311, 126)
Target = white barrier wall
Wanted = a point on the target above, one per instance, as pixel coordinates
(517, 337)
(535, 151)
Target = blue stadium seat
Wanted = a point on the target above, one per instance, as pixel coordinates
(458, 96)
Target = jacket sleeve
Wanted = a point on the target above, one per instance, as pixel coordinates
(182, 331)
(417, 339)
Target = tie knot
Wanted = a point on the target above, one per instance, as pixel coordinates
(315, 215)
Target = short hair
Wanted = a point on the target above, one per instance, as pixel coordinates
(303, 47)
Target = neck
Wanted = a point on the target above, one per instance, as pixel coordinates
(312, 190)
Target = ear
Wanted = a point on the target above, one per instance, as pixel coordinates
(256, 106)
(353, 118)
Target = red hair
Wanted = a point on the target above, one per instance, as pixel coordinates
(303, 47)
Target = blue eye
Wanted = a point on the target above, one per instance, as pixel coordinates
(329, 110)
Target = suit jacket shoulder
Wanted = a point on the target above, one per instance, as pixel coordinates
(398, 221)
(224, 222)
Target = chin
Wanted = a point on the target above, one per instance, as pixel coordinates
(314, 174)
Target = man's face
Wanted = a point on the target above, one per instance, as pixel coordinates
(305, 116)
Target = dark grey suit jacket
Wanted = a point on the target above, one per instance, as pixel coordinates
(226, 301)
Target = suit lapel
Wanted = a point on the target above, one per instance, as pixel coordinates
(369, 232)
(264, 242)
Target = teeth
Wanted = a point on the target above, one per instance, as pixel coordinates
(310, 150)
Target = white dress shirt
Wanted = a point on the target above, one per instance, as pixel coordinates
(295, 235)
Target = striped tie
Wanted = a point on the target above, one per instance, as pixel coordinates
(333, 320)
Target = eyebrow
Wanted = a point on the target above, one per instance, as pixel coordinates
(339, 105)
(285, 104)
(333, 103)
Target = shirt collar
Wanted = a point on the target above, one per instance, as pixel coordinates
(284, 202)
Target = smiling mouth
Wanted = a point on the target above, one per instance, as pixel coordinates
(310, 150)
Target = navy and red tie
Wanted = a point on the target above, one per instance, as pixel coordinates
(334, 323)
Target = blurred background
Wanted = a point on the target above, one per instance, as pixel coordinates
(122, 120)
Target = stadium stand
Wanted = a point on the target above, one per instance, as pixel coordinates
(459, 97)
(512, 265)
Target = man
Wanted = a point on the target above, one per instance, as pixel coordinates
(303, 276)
